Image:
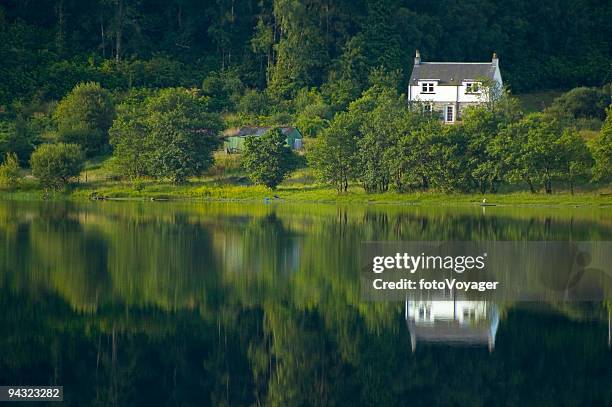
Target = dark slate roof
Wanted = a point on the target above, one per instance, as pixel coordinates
(451, 73)
(247, 131)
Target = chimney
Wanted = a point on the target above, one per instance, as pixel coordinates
(417, 58)
(495, 60)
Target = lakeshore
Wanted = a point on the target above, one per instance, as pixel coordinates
(209, 189)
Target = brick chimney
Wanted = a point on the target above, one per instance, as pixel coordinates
(417, 58)
(495, 60)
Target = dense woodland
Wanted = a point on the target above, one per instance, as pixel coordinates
(152, 84)
(48, 46)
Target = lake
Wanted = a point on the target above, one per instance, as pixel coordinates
(236, 304)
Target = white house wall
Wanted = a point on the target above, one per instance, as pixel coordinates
(442, 94)
(445, 94)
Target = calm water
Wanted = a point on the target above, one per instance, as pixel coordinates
(130, 303)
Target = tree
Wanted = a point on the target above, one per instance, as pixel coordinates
(334, 154)
(268, 159)
(55, 165)
(531, 149)
(224, 90)
(84, 117)
(10, 172)
(171, 134)
(253, 102)
(312, 112)
(482, 125)
(574, 157)
(301, 52)
(129, 135)
(17, 137)
(601, 148)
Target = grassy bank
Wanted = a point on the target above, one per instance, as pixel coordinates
(298, 190)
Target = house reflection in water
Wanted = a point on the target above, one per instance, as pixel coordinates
(452, 322)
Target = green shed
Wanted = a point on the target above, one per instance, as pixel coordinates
(234, 138)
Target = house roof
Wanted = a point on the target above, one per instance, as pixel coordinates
(257, 131)
(452, 73)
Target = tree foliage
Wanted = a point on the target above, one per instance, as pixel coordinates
(49, 47)
(56, 165)
(84, 116)
(267, 159)
(170, 134)
(10, 171)
(601, 148)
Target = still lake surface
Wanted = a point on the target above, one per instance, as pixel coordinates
(189, 304)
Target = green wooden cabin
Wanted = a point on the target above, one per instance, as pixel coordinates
(234, 138)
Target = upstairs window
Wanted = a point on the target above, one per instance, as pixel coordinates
(427, 87)
(472, 87)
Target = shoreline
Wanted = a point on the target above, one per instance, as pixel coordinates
(312, 194)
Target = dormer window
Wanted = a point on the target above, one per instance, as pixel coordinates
(472, 87)
(427, 87)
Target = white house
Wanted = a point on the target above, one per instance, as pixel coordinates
(449, 87)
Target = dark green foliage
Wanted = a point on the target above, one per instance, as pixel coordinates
(18, 137)
(224, 90)
(582, 103)
(601, 148)
(267, 159)
(335, 152)
(253, 102)
(10, 172)
(171, 134)
(84, 116)
(48, 47)
(55, 165)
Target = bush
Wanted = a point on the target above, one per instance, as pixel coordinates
(268, 159)
(55, 165)
(10, 172)
(582, 103)
(84, 116)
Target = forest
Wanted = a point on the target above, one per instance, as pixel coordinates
(152, 84)
(48, 46)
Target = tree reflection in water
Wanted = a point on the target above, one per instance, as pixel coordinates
(241, 304)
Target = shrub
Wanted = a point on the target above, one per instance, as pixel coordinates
(55, 165)
(84, 116)
(268, 159)
(10, 172)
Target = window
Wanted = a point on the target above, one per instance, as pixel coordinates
(449, 117)
(427, 87)
(472, 87)
(427, 107)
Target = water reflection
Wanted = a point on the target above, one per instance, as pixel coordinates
(452, 322)
(143, 303)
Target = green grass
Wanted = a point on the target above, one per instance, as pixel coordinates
(203, 189)
(229, 183)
